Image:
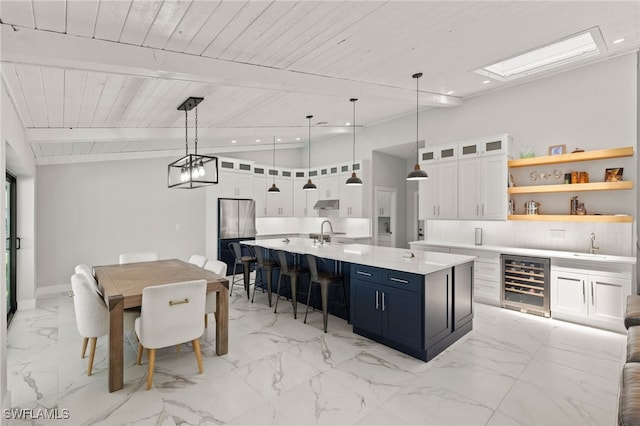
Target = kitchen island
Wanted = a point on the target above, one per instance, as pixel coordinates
(416, 302)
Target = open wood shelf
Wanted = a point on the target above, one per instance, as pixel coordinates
(571, 218)
(593, 186)
(573, 157)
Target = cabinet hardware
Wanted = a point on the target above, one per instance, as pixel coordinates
(477, 210)
(483, 210)
(383, 302)
(584, 297)
(363, 273)
(398, 280)
(377, 300)
(592, 299)
(434, 210)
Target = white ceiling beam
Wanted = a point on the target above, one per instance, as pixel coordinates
(35, 47)
(46, 135)
(169, 154)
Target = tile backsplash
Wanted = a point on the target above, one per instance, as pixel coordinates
(612, 238)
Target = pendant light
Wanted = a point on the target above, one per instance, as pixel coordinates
(354, 180)
(274, 189)
(417, 173)
(309, 186)
(192, 170)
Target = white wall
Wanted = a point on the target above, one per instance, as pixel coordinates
(16, 156)
(288, 158)
(91, 212)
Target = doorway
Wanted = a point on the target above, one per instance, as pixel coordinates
(385, 218)
(12, 244)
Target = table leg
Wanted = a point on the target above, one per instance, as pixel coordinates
(116, 349)
(222, 321)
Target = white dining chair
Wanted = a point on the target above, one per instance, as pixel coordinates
(198, 260)
(171, 315)
(92, 316)
(220, 268)
(138, 257)
(87, 272)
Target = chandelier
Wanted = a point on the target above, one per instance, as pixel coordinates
(192, 170)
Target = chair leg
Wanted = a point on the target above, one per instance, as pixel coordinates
(196, 349)
(140, 349)
(178, 348)
(294, 294)
(278, 294)
(258, 270)
(206, 321)
(84, 346)
(269, 273)
(151, 354)
(233, 279)
(324, 293)
(92, 354)
(306, 311)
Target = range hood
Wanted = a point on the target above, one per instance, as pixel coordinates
(327, 205)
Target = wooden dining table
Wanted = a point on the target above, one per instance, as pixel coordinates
(122, 287)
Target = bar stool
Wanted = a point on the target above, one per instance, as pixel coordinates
(292, 272)
(263, 266)
(324, 280)
(245, 261)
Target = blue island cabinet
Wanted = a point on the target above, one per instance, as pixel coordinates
(420, 315)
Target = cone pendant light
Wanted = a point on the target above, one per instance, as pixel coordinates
(354, 180)
(274, 189)
(309, 186)
(417, 173)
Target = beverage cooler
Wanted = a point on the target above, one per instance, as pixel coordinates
(525, 284)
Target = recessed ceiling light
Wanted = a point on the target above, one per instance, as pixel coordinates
(257, 140)
(297, 139)
(450, 92)
(278, 139)
(486, 82)
(347, 124)
(575, 47)
(234, 141)
(620, 40)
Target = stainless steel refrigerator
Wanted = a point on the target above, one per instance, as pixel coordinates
(236, 222)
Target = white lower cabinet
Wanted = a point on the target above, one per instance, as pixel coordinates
(486, 275)
(589, 297)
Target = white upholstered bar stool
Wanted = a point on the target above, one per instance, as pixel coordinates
(92, 316)
(171, 315)
(220, 268)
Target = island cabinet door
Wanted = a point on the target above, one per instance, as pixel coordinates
(462, 294)
(402, 311)
(438, 303)
(366, 310)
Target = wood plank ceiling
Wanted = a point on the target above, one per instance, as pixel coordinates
(261, 66)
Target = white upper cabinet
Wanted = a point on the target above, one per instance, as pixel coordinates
(328, 183)
(280, 203)
(235, 178)
(498, 144)
(352, 197)
(438, 153)
(260, 189)
(439, 193)
(299, 195)
(482, 188)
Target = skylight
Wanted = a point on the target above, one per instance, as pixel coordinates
(570, 49)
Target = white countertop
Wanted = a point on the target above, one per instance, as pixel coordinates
(532, 252)
(382, 257)
(304, 235)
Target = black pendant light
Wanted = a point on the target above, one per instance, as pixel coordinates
(274, 189)
(192, 170)
(309, 186)
(417, 173)
(354, 180)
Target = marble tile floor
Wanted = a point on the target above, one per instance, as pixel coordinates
(512, 369)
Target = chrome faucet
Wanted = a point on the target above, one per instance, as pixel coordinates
(593, 249)
(386, 226)
(322, 231)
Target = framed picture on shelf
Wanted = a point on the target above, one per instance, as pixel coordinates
(613, 174)
(557, 149)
